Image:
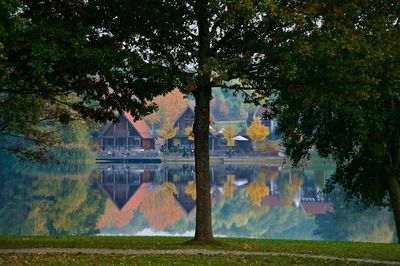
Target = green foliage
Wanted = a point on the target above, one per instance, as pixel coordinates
(335, 76)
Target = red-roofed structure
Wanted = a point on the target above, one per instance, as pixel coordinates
(316, 207)
(272, 201)
(128, 134)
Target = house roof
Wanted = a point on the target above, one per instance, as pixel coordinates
(137, 198)
(273, 201)
(316, 207)
(140, 125)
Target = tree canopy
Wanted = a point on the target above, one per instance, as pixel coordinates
(335, 87)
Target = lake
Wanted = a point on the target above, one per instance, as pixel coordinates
(254, 201)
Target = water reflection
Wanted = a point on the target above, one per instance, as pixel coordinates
(247, 200)
(118, 199)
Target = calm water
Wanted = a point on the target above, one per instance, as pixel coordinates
(117, 199)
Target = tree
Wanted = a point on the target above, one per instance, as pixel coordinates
(118, 55)
(336, 87)
(189, 133)
(168, 131)
(229, 133)
(52, 50)
(257, 132)
(169, 105)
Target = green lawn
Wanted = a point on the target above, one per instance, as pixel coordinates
(113, 259)
(342, 249)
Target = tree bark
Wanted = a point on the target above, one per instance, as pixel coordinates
(203, 199)
(201, 127)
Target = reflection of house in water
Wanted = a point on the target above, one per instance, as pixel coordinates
(181, 177)
(125, 184)
(309, 195)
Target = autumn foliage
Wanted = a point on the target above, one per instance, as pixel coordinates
(160, 207)
(170, 106)
(229, 133)
(257, 132)
(229, 187)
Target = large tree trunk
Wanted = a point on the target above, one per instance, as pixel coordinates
(201, 127)
(203, 199)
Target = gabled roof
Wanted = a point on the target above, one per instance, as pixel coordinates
(140, 125)
(189, 106)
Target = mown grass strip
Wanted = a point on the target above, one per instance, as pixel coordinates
(327, 248)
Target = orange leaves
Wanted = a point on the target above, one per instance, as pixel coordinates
(160, 207)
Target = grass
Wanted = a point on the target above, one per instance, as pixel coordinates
(114, 259)
(329, 248)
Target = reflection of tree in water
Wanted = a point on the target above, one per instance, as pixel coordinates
(160, 207)
(51, 205)
(229, 187)
(291, 188)
(190, 189)
(351, 222)
(236, 212)
(256, 191)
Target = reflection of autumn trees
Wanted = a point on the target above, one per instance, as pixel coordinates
(256, 191)
(229, 187)
(46, 202)
(190, 189)
(160, 207)
(291, 188)
(236, 212)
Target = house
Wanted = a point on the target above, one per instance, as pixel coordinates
(184, 120)
(128, 134)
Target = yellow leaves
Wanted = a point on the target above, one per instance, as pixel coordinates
(189, 133)
(167, 131)
(257, 132)
(229, 187)
(190, 189)
(256, 191)
(229, 133)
